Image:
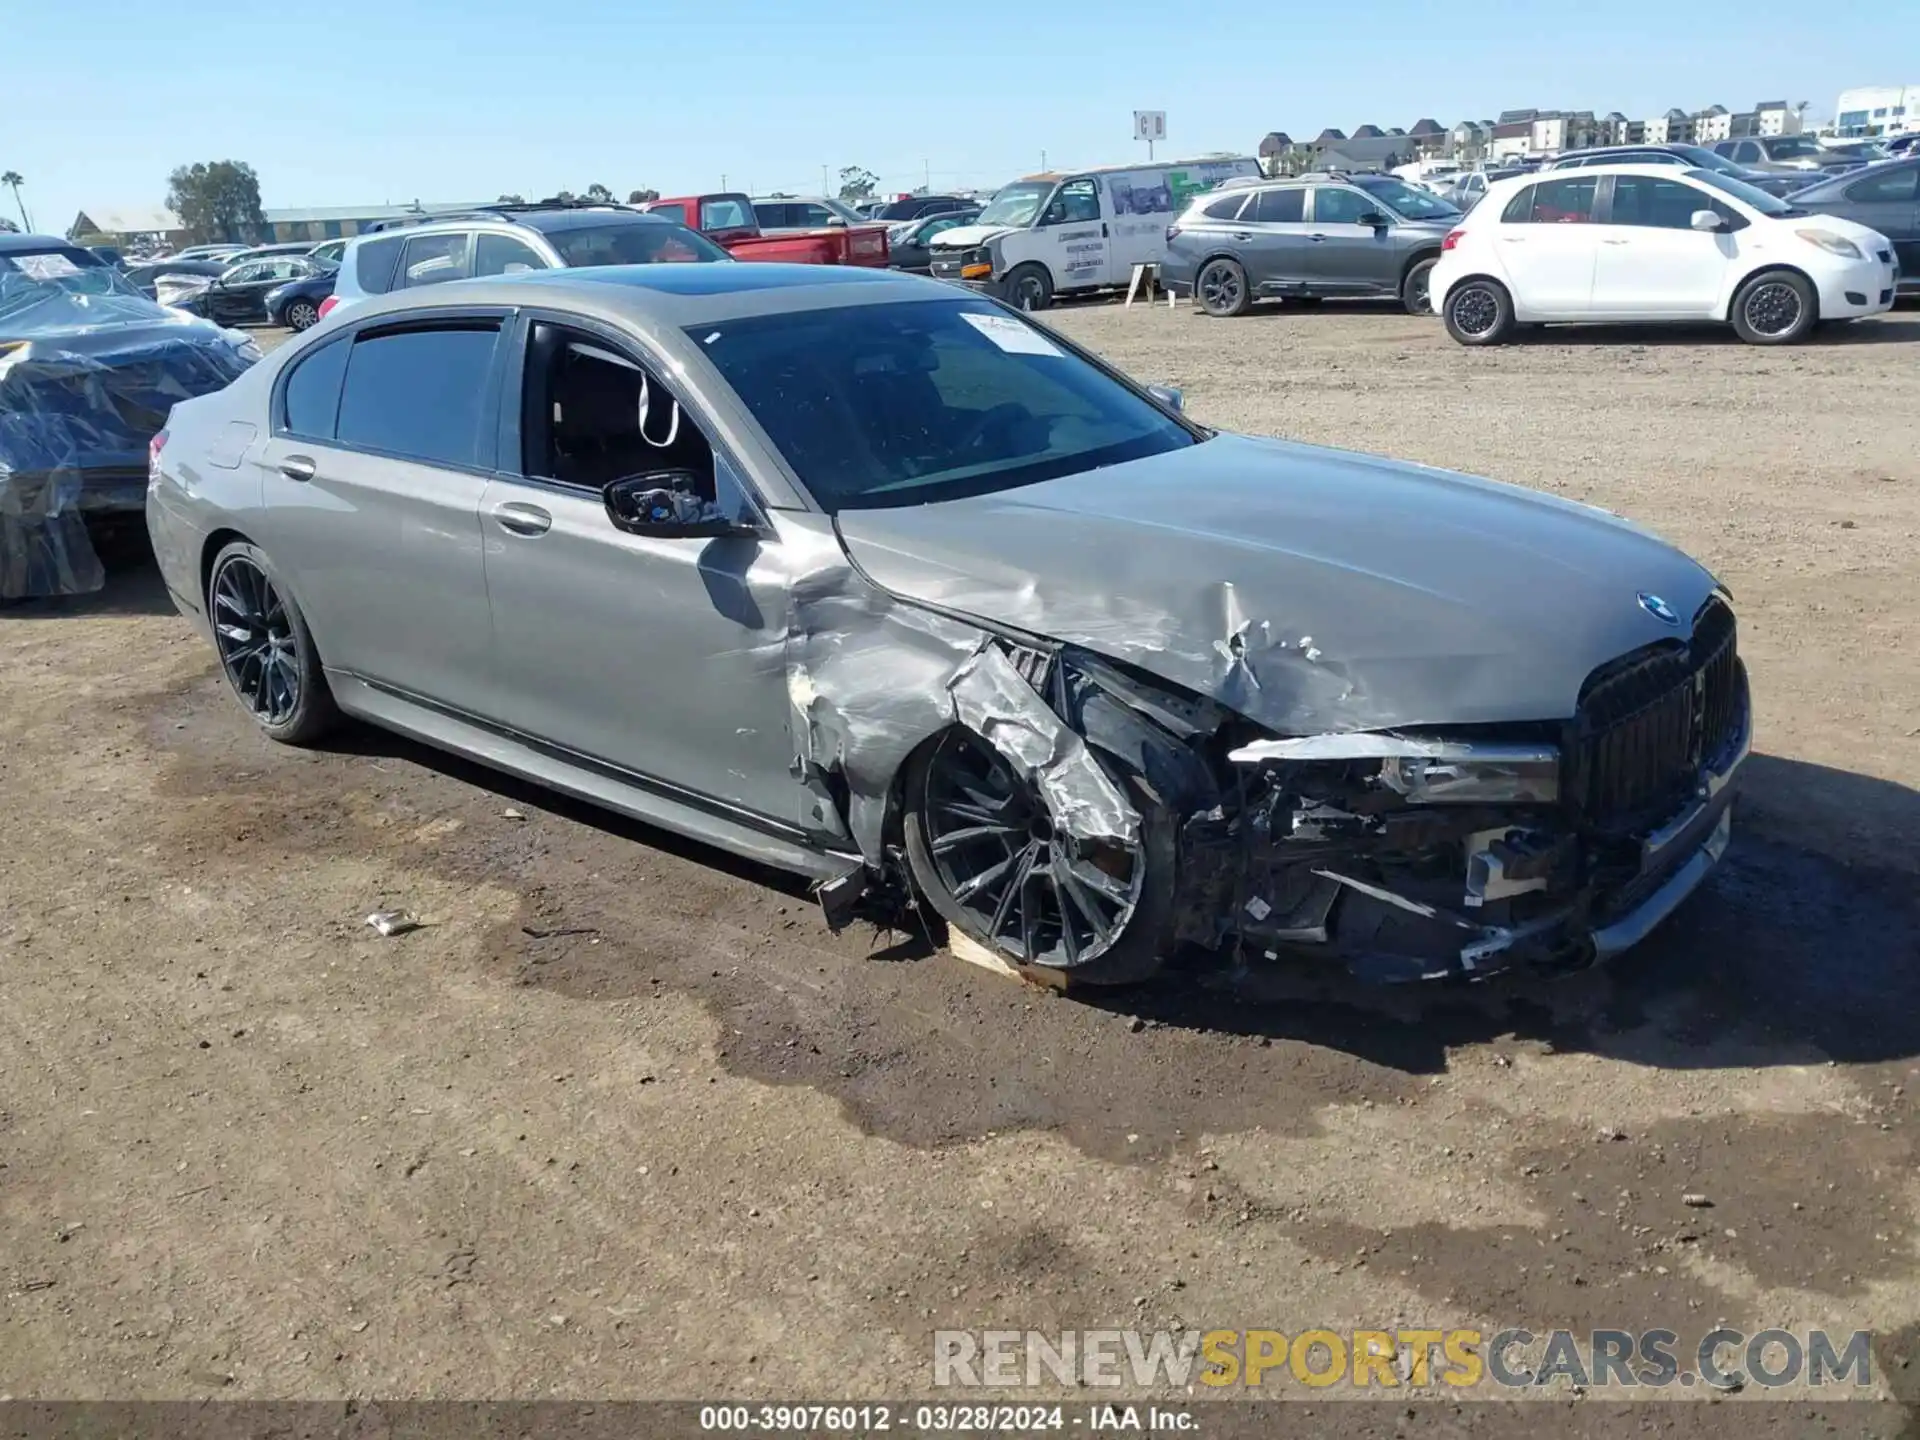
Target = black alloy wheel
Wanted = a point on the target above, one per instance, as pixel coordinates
(1479, 313)
(1774, 309)
(996, 857)
(265, 650)
(255, 636)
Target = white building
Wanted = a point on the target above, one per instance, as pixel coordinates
(1877, 110)
(1711, 124)
(1775, 117)
(1673, 128)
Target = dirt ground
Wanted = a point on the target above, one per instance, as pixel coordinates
(624, 1120)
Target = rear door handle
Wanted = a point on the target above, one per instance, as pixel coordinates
(297, 467)
(1612, 242)
(1242, 235)
(519, 519)
(1316, 239)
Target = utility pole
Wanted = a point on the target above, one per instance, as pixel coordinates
(926, 176)
(1043, 160)
(823, 180)
(723, 179)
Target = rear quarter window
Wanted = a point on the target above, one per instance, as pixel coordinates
(311, 398)
(374, 262)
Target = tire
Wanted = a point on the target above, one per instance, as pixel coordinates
(947, 847)
(1775, 307)
(266, 651)
(301, 315)
(1221, 289)
(1479, 312)
(1414, 293)
(1030, 287)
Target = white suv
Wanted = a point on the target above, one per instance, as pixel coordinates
(1650, 243)
(508, 240)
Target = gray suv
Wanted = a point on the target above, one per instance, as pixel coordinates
(1364, 236)
(508, 240)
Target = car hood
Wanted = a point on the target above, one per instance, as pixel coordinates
(965, 237)
(1309, 589)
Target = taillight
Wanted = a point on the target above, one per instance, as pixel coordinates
(1453, 239)
(154, 447)
(326, 305)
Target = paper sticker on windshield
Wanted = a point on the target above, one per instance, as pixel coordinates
(45, 267)
(1011, 335)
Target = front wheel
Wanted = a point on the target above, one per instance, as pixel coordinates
(1030, 287)
(302, 315)
(1479, 312)
(1221, 288)
(266, 651)
(1776, 308)
(1415, 291)
(986, 853)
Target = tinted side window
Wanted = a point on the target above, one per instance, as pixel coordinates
(1896, 186)
(1281, 207)
(312, 393)
(433, 259)
(1657, 203)
(1560, 202)
(418, 393)
(672, 212)
(1519, 207)
(817, 217)
(374, 261)
(503, 255)
(1225, 208)
(1747, 152)
(724, 215)
(1333, 205)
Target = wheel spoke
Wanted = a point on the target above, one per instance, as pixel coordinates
(953, 839)
(1007, 896)
(1068, 940)
(1071, 889)
(973, 885)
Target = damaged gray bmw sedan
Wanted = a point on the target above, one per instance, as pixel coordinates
(873, 580)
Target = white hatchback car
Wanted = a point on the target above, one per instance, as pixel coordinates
(1653, 242)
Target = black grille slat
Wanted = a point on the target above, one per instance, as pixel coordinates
(1648, 720)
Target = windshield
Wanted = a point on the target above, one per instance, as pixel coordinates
(1017, 204)
(877, 406)
(33, 277)
(1408, 200)
(1749, 195)
(642, 242)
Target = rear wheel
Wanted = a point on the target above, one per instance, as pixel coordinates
(266, 652)
(985, 851)
(1030, 287)
(1414, 291)
(1221, 288)
(1479, 312)
(1775, 308)
(302, 315)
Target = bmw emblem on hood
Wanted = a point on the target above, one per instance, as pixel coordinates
(1658, 608)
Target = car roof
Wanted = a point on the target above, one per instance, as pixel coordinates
(28, 244)
(677, 295)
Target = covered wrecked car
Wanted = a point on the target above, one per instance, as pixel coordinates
(89, 368)
(875, 580)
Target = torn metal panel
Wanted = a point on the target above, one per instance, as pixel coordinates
(991, 699)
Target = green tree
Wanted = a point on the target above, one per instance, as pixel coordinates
(599, 193)
(510, 200)
(642, 197)
(218, 201)
(857, 184)
(13, 180)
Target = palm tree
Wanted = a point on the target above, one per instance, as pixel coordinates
(15, 179)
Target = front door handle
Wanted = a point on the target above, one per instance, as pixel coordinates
(297, 467)
(1316, 239)
(1613, 242)
(519, 519)
(1242, 235)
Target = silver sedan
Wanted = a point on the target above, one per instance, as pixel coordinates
(877, 581)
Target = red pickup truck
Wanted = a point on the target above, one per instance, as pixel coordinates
(727, 219)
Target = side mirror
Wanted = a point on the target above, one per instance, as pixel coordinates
(1706, 220)
(1167, 396)
(836, 220)
(1375, 219)
(667, 505)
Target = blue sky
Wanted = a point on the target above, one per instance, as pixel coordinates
(346, 102)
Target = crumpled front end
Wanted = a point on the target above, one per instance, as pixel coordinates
(1425, 855)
